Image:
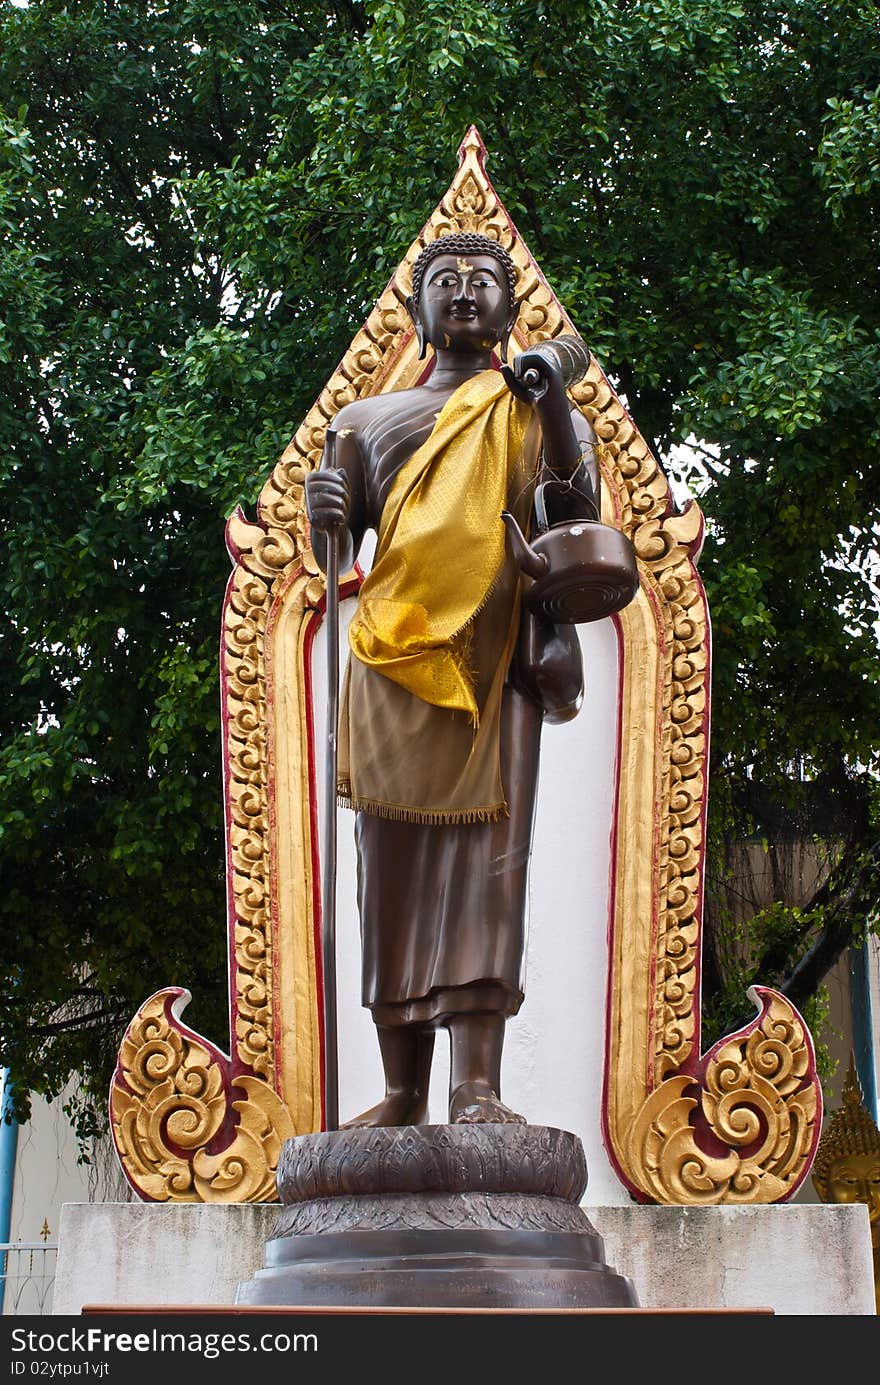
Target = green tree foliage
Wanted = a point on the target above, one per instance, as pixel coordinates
(199, 203)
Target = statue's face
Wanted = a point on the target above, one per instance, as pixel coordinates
(856, 1178)
(464, 304)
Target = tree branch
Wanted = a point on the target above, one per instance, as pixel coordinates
(853, 902)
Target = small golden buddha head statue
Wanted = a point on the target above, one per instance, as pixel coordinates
(847, 1164)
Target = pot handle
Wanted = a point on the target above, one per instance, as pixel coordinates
(559, 502)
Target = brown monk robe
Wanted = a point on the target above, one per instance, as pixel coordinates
(441, 717)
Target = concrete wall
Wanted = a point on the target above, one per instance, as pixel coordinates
(47, 1173)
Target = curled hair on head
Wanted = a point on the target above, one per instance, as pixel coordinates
(462, 243)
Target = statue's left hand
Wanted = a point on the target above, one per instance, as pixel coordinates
(535, 376)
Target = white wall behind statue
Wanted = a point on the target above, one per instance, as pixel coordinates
(554, 1049)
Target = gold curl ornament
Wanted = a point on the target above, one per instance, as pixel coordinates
(742, 1128)
(170, 1101)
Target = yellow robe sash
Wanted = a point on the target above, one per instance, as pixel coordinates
(441, 546)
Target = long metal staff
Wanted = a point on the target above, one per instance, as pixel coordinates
(328, 880)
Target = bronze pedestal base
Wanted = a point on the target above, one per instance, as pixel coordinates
(443, 1216)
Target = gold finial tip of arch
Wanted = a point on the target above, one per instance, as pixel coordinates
(852, 1088)
(472, 144)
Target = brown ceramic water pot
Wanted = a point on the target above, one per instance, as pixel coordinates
(580, 568)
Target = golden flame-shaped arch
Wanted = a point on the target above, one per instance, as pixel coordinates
(738, 1125)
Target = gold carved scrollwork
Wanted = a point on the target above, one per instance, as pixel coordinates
(170, 1102)
(755, 1101)
(737, 1126)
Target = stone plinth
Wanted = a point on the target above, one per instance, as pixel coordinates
(799, 1259)
(441, 1216)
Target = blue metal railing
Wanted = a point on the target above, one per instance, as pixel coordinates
(8, 1152)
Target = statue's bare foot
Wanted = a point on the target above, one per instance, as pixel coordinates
(475, 1103)
(399, 1108)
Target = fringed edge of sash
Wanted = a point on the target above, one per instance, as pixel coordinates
(426, 817)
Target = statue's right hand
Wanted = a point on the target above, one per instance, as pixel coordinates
(328, 499)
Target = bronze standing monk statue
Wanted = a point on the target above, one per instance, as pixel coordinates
(460, 652)
(450, 675)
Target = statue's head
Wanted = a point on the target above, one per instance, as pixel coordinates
(847, 1163)
(471, 277)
